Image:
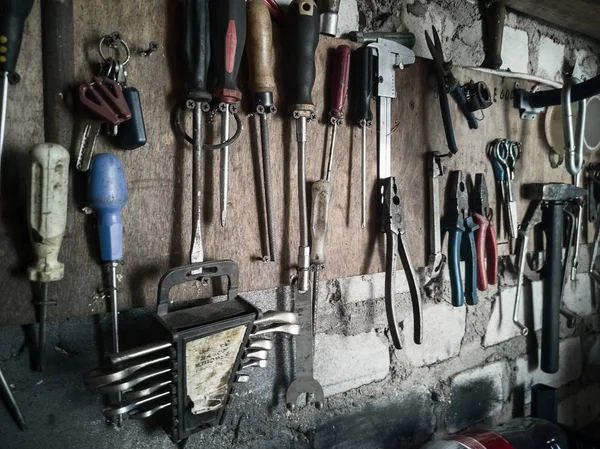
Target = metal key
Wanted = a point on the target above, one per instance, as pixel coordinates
(86, 141)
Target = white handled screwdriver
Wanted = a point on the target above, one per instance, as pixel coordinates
(47, 219)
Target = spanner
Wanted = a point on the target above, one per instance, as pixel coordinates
(305, 383)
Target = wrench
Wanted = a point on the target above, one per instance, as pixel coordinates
(305, 383)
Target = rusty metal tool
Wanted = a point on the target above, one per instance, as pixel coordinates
(437, 259)
(260, 63)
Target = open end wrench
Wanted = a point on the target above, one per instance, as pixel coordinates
(305, 383)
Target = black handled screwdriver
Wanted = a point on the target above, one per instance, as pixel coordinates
(197, 58)
(361, 93)
(303, 29)
(228, 37)
(12, 20)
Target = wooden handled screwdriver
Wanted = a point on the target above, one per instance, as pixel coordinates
(303, 37)
(322, 189)
(260, 63)
(228, 36)
(47, 213)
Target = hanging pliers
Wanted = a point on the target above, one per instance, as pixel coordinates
(447, 84)
(461, 229)
(485, 236)
(394, 228)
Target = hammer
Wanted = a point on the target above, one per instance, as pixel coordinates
(553, 197)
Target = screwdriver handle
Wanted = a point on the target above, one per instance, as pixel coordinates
(47, 209)
(196, 48)
(339, 81)
(321, 198)
(228, 28)
(12, 20)
(362, 80)
(107, 195)
(260, 53)
(303, 29)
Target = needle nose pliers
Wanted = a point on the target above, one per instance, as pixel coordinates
(461, 228)
(485, 236)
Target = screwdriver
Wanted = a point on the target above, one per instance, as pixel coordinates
(107, 196)
(362, 93)
(262, 83)
(228, 36)
(197, 58)
(303, 29)
(11, 402)
(322, 189)
(12, 20)
(47, 212)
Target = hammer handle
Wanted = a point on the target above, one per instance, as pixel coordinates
(495, 12)
(260, 47)
(552, 219)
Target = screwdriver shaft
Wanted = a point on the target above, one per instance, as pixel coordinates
(224, 165)
(266, 160)
(42, 329)
(364, 175)
(197, 253)
(3, 104)
(304, 248)
(331, 147)
(12, 403)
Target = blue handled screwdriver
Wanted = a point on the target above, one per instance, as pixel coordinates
(107, 196)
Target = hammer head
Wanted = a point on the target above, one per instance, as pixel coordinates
(390, 55)
(554, 192)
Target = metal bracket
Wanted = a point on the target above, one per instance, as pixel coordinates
(522, 98)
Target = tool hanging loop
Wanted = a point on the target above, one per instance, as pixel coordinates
(573, 144)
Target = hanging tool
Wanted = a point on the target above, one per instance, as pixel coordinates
(437, 259)
(303, 28)
(303, 37)
(461, 229)
(107, 196)
(47, 212)
(593, 175)
(262, 83)
(322, 189)
(553, 197)
(329, 10)
(362, 92)
(389, 56)
(493, 13)
(228, 37)
(447, 84)
(12, 405)
(485, 236)
(504, 155)
(13, 14)
(406, 39)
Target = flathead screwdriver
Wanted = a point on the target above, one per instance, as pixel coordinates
(13, 14)
(47, 220)
(302, 38)
(14, 409)
(259, 49)
(228, 37)
(361, 93)
(197, 57)
(107, 196)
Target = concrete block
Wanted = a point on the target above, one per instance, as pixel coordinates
(501, 327)
(443, 331)
(550, 59)
(386, 422)
(578, 295)
(569, 368)
(360, 288)
(515, 50)
(580, 409)
(476, 395)
(343, 363)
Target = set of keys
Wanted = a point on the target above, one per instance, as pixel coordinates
(108, 104)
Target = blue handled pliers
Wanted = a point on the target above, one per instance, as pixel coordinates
(458, 223)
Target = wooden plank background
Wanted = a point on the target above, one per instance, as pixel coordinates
(158, 216)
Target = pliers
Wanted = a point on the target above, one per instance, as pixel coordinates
(394, 227)
(459, 222)
(447, 84)
(485, 236)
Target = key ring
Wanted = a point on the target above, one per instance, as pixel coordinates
(110, 41)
